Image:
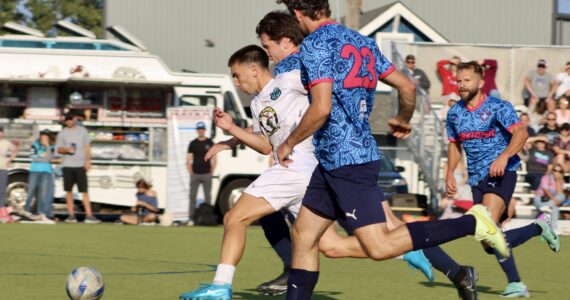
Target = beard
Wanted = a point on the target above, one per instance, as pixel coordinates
(470, 94)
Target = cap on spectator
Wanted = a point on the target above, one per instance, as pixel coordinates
(45, 132)
(68, 116)
(200, 125)
(541, 63)
(565, 126)
(410, 57)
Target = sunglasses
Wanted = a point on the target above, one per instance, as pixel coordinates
(549, 119)
(410, 62)
(557, 170)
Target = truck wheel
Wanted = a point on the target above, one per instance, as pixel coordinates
(17, 190)
(231, 193)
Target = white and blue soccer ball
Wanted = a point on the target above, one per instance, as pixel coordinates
(85, 283)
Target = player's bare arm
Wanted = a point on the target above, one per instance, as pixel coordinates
(316, 115)
(224, 145)
(257, 142)
(400, 124)
(453, 157)
(517, 143)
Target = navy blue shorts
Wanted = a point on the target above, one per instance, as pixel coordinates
(350, 193)
(502, 186)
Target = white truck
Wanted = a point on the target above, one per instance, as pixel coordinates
(140, 116)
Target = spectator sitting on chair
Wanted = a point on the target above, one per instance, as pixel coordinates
(551, 193)
(448, 79)
(489, 73)
(525, 121)
(561, 147)
(562, 82)
(539, 85)
(538, 157)
(146, 208)
(550, 129)
(537, 115)
(562, 113)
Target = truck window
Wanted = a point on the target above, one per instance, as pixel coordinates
(231, 107)
(13, 101)
(198, 100)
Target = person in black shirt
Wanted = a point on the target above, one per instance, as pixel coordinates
(199, 169)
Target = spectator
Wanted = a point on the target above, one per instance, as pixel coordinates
(562, 82)
(550, 129)
(74, 144)
(40, 177)
(539, 84)
(418, 76)
(538, 157)
(525, 120)
(146, 207)
(8, 152)
(536, 115)
(489, 72)
(199, 169)
(561, 147)
(448, 79)
(551, 193)
(562, 113)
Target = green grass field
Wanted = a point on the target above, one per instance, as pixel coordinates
(160, 262)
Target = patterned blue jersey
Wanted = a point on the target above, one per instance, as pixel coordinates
(484, 132)
(289, 63)
(354, 64)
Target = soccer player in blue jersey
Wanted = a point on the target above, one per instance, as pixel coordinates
(491, 134)
(342, 68)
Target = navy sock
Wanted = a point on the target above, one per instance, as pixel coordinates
(278, 234)
(430, 234)
(509, 267)
(301, 284)
(442, 262)
(520, 235)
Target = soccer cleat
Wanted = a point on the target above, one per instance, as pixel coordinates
(418, 260)
(548, 234)
(516, 290)
(209, 292)
(487, 231)
(277, 286)
(466, 283)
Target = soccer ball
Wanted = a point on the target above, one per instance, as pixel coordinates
(85, 283)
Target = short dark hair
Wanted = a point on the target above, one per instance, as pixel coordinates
(409, 56)
(472, 65)
(141, 183)
(279, 24)
(250, 54)
(310, 8)
(523, 114)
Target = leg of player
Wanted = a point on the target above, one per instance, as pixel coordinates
(515, 237)
(247, 210)
(278, 234)
(308, 229)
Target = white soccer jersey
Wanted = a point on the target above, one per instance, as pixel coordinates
(277, 110)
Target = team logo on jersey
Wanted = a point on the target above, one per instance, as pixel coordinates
(268, 120)
(275, 94)
(484, 115)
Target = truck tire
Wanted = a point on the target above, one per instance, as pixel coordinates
(231, 193)
(17, 190)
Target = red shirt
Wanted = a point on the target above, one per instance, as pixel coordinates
(490, 70)
(448, 79)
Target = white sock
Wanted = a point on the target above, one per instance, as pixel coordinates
(224, 274)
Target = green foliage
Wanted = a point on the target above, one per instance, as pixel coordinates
(85, 13)
(8, 11)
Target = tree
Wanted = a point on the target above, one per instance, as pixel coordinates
(85, 13)
(9, 11)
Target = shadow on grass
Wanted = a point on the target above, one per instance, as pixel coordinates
(253, 294)
(480, 288)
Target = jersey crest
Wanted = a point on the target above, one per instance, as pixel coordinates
(275, 94)
(268, 120)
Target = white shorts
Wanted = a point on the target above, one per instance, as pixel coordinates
(281, 188)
